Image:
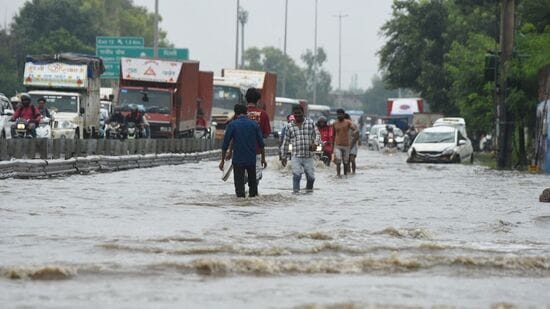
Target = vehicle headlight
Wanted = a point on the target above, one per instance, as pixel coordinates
(20, 126)
(448, 151)
(67, 125)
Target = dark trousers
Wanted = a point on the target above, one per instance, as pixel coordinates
(239, 179)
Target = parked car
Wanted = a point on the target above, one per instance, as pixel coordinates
(377, 133)
(6, 111)
(441, 144)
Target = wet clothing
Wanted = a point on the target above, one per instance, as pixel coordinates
(242, 174)
(302, 137)
(262, 119)
(245, 135)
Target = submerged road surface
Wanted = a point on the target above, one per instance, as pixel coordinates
(394, 234)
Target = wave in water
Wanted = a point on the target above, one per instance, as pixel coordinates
(256, 266)
(48, 272)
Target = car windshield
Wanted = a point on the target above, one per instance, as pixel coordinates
(435, 137)
(151, 101)
(225, 98)
(58, 103)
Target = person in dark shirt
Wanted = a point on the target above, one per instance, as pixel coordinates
(245, 135)
(42, 109)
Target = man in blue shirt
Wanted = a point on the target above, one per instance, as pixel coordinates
(245, 135)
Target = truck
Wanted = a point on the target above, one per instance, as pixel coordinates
(70, 83)
(169, 91)
(230, 88)
(425, 120)
(400, 111)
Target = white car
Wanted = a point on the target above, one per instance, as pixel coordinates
(441, 144)
(6, 111)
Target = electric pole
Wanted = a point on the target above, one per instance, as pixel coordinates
(237, 37)
(315, 59)
(504, 116)
(156, 34)
(243, 18)
(284, 49)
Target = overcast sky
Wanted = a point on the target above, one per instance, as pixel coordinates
(207, 28)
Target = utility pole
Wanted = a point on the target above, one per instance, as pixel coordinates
(237, 38)
(284, 49)
(505, 117)
(156, 35)
(243, 18)
(315, 59)
(340, 16)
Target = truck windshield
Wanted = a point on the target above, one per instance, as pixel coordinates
(225, 98)
(152, 101)
(283, 109)
(58, 103)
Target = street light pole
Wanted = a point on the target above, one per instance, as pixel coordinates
(340, 16)
(156, 34)
(284, 49)
(237, 38)
(315, 59)
(243, 18)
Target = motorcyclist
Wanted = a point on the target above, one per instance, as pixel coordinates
(389, 132)
(15, 102)
(118, 118)
(411, 135)
(28, 112)
(137, 117)
(42, 109)
(326, 136)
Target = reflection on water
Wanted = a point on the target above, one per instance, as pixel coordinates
(173, 236)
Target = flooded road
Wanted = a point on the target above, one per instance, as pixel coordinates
(394, 234)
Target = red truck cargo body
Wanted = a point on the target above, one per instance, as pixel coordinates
(206, 98)
(166, 89)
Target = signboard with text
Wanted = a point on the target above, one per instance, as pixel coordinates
(163, 71)
(56, 74)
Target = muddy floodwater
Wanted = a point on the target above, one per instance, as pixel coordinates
(394, 234)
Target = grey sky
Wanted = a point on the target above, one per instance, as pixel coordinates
(207, 28)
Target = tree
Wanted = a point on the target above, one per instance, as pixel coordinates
(271, 59)
(323, 77)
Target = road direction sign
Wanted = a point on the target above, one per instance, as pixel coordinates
(119, 41)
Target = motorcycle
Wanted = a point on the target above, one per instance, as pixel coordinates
(44, 129)
(132, 130)
(389, 141)
(321, 154)
(201, 132)
(115, 131)
(22, 129)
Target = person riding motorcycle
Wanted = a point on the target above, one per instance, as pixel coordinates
(137, 117)
(410, 135)
(117, 117)
(389, 134)
(326, 136)
(28, 112)
(42, 109)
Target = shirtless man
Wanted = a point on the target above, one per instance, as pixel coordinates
(342, 141)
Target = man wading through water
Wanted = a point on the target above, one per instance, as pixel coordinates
(262, 119)
(245, 136)
(304, 137)
(342, 141)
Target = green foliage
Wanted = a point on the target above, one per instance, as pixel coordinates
(375, 97)
(271, 59)
(323, 86)
(472, 94)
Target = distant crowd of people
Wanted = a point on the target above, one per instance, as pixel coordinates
(300, 139)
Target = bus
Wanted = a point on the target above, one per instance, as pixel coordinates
(283, 108)
(316, 110)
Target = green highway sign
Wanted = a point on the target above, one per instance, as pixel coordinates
(119, 41)
(112, 70)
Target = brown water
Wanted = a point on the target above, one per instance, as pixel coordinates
(394, 235)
